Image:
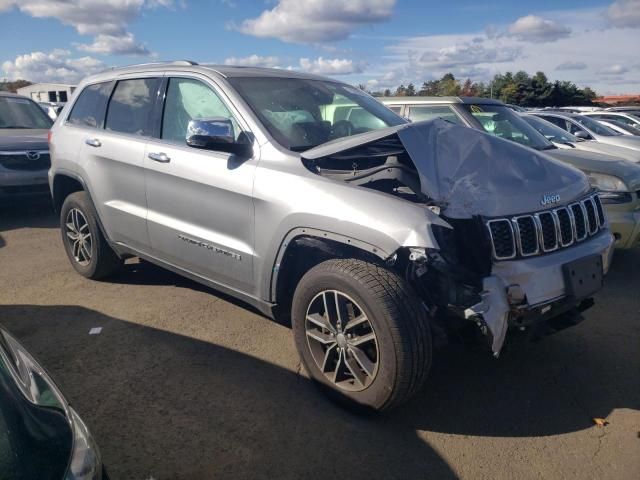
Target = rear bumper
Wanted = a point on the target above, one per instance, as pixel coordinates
(540, 286)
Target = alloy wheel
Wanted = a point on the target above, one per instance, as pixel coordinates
(78, 236)
(342, 340)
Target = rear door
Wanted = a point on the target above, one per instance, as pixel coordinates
(113, 158)
(201, 214)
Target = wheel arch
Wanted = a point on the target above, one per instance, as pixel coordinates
(64, 184)
(305, 248)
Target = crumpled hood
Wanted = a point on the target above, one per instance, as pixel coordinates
(23, 139)
(591, 162)
(469, 172)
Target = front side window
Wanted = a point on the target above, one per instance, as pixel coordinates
(130, 107)
(187, 100)
(550, 131)
(22, 113)
(419, 113)
(560, 122)
(504, 123)
(88, 110)
(301, 113)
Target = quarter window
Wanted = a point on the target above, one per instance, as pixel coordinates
(131, 105)
(88, 110)
(186, 100)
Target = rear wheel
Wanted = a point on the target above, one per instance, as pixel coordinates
(362, 334)
(86, 247)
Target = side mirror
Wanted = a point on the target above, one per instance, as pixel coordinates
(217, 134)
(583, 135)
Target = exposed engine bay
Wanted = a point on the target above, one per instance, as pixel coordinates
(466, 177)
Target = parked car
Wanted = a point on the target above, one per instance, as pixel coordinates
(52, 109)
(617, 180)
(620, 127)
(630, 108)
(628, 118)
(589, 129)
(308, 199)
(24, 152)
(563, 139)
(41, 435)
(516, 108)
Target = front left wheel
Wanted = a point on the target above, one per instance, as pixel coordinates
(87, 249)
(363, 335)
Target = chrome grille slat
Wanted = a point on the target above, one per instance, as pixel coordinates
(547, 231)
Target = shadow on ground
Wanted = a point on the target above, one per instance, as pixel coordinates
(167, 406)
(34, 212)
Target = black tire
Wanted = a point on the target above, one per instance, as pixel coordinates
(102, 260)
(397, 318)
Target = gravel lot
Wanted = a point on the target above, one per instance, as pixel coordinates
(185, 383)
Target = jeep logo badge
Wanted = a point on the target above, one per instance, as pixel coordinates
(33, 155)
(549, 199)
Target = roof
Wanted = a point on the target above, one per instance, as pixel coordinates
(559, 113)
(226, 71)
(460, 100)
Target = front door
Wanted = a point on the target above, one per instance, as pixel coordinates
(201, 214)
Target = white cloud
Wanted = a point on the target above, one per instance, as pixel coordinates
(616, 69)
(331, 66)
(537, 29)
(100, 18)
(55, 66)
(253, 61)
(312, 21)
(624, 13)
(115, 45)
(569, 65)
(480, 55)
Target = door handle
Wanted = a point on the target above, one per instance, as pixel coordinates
(159, 157)
(93, 142)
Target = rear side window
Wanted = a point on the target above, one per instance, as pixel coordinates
(424, 112)
(88, 111)
(130, 107)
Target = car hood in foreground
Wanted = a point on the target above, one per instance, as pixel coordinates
(469, 172)
(23, 139)
(591, 162)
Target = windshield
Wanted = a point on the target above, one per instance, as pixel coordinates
(550, 131)
(504, 123)
(595, 126)
(16, 112)
(301, 114)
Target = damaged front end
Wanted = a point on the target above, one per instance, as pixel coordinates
(505, 253)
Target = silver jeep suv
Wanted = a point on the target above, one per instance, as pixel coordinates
(308, 199)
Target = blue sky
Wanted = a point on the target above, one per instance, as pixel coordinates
(378, 42)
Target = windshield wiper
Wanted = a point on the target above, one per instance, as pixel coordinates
(17, 126)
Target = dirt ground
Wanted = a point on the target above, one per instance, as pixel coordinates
(185, 383)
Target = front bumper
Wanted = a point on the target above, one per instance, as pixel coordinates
(625, 225)
(540, 284)
(23, 183)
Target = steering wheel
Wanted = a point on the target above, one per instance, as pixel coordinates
(342, 128)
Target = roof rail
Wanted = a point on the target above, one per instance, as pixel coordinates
(168, 62)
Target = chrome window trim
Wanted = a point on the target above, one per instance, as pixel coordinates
(493, 243)
(541, 233)
(518, 236)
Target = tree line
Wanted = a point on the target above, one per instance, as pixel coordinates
(518, 88)
(6, 86)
